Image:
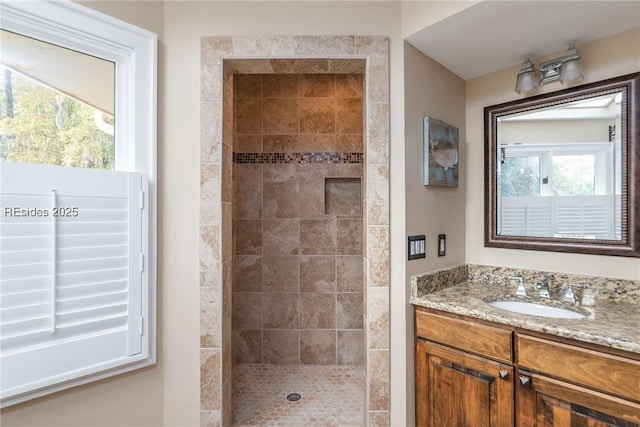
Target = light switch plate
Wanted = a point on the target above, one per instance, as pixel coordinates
(417, 247)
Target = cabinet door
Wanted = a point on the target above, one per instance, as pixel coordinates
(545, 402)
(454, 388)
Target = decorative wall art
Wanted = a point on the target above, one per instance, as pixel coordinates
(440, 153)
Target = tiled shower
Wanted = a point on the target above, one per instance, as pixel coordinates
(298, 219)
(298, 222)
(225, 383)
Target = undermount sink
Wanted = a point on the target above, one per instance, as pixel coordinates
(536, 309)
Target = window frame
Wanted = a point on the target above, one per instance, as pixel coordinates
(134, 53)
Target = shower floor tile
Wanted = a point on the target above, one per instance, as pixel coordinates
(332, 395)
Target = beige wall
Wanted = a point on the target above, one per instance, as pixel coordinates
(431, 90)
(601, 59)
(130, 399)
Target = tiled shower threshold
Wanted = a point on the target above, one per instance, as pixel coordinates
(331, 395)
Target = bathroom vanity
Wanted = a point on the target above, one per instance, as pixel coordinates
(478, 365)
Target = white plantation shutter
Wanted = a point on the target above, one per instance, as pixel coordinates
(72, 297)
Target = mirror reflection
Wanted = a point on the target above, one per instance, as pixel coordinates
(559, 170)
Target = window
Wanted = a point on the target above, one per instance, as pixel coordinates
(78, 219)
(561, 190)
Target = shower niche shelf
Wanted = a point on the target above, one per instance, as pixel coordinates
(343, 197)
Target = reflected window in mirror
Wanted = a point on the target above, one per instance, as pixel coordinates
(562, 170)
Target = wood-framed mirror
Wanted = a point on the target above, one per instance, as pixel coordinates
(562, 170)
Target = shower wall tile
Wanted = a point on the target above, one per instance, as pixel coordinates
(247, 346)
(227, 232)
(349, 237)
(280, 85)
(318, 236)
(247, 273)
(278, 46)
(378, 309)
(296, 264)
(299, 66)
(378, 135)
(247, 173)
(324, 45)
(248, 236)
(281, 236)
(378, 419)
(281, 200)
(280, 173)
(280, 274)
(349, 273)
(311, 198)
(248, 144)
(210, 262)
(248, 86)
(280, 116)
(317, 86)
(210, 132)
(349, 86)
(349, 144)
(227, 173)
(378, 195)
(378, 251)
(210, 390)
(210, 316)
(210, 82)
(228, 114)
(248, 116)
(317, 273)
(317, 310)
(280, 144)
(350, 347)
(349, 116)
(379, 83)
(248, 200)
(280, 310)
(210, 418)
(281, 347)
(317, 115)
(349, 310)
(378, 383)
(318, 347)
(248, 313)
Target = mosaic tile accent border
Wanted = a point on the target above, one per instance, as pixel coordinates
(288, 158)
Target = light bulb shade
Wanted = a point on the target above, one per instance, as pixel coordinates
(570, 70)
(527, 80)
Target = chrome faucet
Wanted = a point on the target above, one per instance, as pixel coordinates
(520, 290)
(543, 288)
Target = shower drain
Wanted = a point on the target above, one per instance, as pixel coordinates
(294, 397)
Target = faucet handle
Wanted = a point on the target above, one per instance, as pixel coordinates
(520, 290)
(569, 296)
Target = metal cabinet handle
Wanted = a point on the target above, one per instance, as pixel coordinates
(503, 374)
(525, 381)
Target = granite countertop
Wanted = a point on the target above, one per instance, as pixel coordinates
(610, 322)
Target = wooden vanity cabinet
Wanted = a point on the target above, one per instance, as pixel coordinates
(454, 388)
(471, 374)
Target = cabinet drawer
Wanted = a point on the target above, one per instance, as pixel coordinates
(613, 374)
(494, 343)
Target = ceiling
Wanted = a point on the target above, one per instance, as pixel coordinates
(493, 35)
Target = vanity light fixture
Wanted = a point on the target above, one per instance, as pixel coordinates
(565, 69)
